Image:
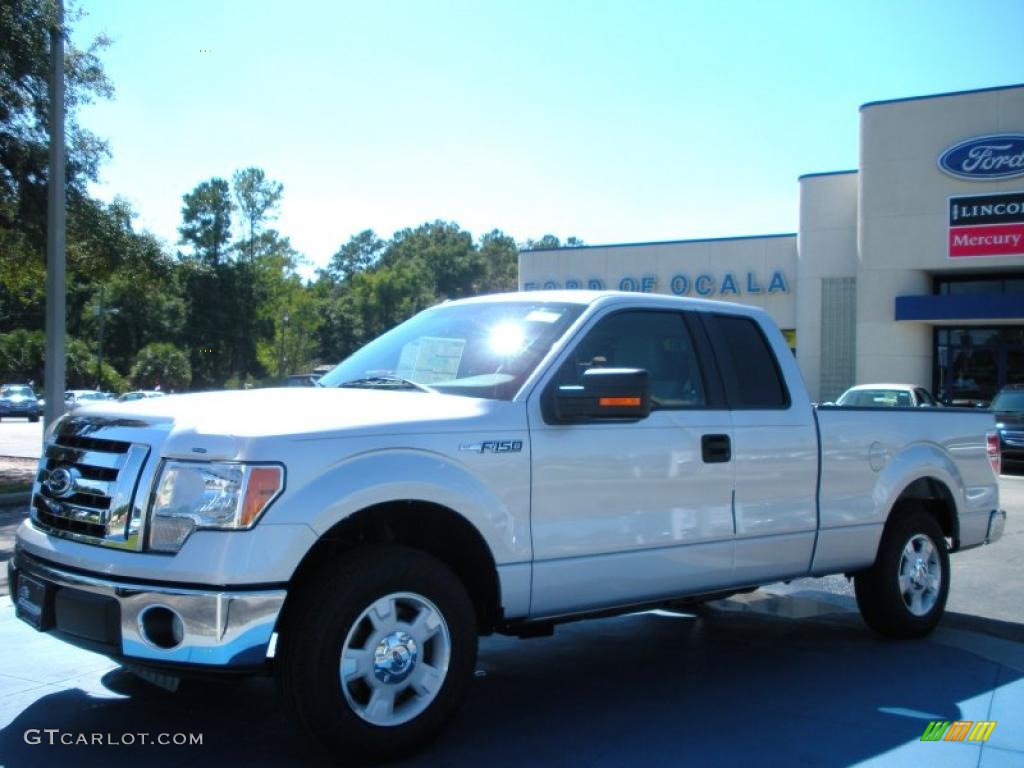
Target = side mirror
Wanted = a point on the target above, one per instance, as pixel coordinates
(606, 394)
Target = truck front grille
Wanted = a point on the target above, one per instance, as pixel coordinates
(86, 485)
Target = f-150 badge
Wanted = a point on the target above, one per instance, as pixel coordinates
(493, 446)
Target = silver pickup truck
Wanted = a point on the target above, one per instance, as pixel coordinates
(496, 464)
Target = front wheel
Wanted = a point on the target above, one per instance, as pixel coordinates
(377, 653)
(904, 593)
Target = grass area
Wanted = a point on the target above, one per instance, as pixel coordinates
(15, 487)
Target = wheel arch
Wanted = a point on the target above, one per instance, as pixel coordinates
(422, 525)
(922, 476)
(933, 496)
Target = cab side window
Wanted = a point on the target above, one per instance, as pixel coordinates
(751, 373)
(658, 342)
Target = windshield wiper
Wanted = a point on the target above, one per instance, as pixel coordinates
(386, 382)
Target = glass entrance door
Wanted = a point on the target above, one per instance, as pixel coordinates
(973, 363)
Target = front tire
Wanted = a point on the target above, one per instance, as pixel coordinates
(377, 653)
(904, 593)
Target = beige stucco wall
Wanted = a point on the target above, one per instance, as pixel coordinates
(826, 247)
(903, 203)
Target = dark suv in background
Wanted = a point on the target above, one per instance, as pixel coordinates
(1009, 409)
(19, 400)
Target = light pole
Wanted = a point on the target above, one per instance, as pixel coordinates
(280, 356)
(56, 278)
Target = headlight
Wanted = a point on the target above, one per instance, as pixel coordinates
(220, 496)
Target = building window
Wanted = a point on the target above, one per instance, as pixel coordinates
(979, 284)
(972, 363)
(838, 336)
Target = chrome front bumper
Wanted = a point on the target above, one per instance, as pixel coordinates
(996, 524)
(230, 628)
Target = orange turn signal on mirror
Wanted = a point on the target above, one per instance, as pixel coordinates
(263, 485)
(619, 402)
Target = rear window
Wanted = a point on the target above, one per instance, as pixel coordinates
(749, 368)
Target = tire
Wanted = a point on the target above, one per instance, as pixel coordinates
(904, 593)
(400, 627)
(33, 419)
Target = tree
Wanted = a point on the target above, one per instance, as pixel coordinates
(361, 252)
(149, 307)
(546, 242)
(501, 261)
(257, 198)
(206, 220)
(81, 369)
(550, 241)
(24, 113)
(161, 365)
(390, 295)
(21, 356)
(445, 251)
(294, 346)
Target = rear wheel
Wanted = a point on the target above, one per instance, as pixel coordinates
(904, 593)
(378, 653)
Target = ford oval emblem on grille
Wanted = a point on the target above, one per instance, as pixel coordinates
(62, 482)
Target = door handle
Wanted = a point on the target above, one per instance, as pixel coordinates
(715, 449)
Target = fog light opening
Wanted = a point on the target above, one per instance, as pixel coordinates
(162, 627)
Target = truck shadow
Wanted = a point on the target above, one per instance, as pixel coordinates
(723, 688)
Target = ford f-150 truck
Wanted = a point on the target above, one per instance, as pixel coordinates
(494, 464)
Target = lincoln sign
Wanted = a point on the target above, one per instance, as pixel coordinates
(986, 225)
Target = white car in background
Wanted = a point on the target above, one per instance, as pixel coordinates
(140, 394)
(73, 398)
(887, 395)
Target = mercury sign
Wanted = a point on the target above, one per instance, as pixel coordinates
(985, 158)
(986, 225)
(703, 284)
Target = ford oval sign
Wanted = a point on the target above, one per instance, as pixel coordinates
(986, 158)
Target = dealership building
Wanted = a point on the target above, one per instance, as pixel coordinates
(908, 269)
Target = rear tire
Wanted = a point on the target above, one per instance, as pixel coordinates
(377, 653)
(904, 593)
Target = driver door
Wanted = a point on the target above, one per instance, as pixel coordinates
(633, 511)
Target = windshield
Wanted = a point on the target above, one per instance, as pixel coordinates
(16, 391)
(478, 350)
(872, 398)
(1012, 400)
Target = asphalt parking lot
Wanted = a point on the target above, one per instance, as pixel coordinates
(785, 676)
(20, 437)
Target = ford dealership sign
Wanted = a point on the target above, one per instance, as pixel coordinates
(985, 158)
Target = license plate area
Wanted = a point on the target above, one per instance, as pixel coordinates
(34, 602)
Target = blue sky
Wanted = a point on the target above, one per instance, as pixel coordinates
(611, 121)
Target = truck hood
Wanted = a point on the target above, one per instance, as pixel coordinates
(305, 412)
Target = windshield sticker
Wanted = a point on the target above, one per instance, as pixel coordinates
(431, 359)
(543, 316)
